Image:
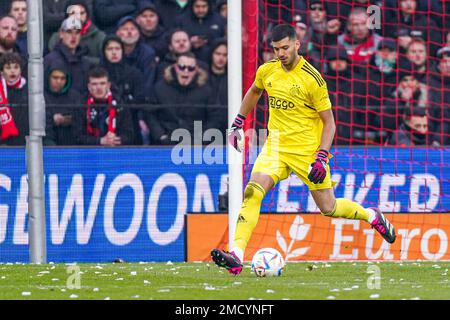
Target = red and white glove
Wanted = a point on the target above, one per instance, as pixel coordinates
(236, 134)
(318, 169)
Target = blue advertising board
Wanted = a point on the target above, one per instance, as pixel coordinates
(129, 203)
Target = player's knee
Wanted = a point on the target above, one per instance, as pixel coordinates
(327, 210)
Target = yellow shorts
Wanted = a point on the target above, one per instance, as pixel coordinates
(279, 166)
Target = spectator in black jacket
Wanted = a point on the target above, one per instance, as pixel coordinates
(204, 25)
(414, 129)
(183, 96)
(69, 53)
(218, 81)
(108, 12)
(153, 33)
(14, 124)
(417, 53)
(8, 35)
(62, 104)
(169, 10)
(104, 121)
(18, 10)
(127, 82)
(137, 53)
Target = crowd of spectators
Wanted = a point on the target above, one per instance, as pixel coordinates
(117, 72)
(131, 72)
(385, 62)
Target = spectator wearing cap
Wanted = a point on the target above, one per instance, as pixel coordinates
(18, 10)
(54, 12)
(382, 72)
(108, 12)
(62, 103)
(407, 23)
(359, 41)
(303, 34)
(322, 33)
(91, 36)
(153, 33)
(127, 81)
(413, 130)
(410, 93)
(204, 25)
(440, 99)
(8, 35)
(69, 53)
(169, 10)
(136, 52)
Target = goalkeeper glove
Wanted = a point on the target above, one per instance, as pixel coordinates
(236, 133)
(318, 169)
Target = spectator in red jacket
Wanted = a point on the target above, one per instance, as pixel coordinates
(359, 41)
(14, 124)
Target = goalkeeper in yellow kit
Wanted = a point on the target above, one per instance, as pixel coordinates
(301, 130)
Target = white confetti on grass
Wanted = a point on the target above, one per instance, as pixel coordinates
(26, 293)
(147, 282)
(95, 289)
(133, 273)
(335, 290)
(107, 298)
(210, 288)
(270, 291)
(237, 283)
(415, 298)
(136, 296)
(55, 279)
(164, 290)
(73, 296)
(331, 297)
(169, 263)
(355, 287)
(119, 279)
(374, 296)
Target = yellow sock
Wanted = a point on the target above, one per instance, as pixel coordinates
(249, 214)
(345, 208)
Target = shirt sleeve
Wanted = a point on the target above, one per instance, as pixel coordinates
(259, 80)
(320, 99)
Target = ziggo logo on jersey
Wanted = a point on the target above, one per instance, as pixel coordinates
(280, 103)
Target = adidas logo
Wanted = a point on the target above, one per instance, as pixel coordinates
(241, 219)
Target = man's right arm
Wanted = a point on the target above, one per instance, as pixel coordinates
(250, 100)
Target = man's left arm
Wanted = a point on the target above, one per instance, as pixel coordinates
(329, 129)
(318, 169)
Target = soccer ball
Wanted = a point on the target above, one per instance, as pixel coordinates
(267, 262)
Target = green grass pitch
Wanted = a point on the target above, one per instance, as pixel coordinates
(205, 281)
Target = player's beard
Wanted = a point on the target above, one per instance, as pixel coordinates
(7, 43)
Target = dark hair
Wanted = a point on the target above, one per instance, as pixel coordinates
(188, 54)
(414, 112)
(12, 1)
(98, 72)
(282, 31)
(10, 58)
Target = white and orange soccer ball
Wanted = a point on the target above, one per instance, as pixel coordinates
(268, 262)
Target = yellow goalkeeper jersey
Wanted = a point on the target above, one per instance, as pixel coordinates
(295, 99)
